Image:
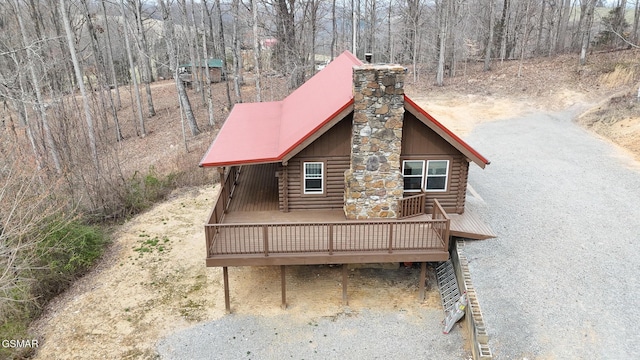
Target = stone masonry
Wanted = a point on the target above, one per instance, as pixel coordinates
(373, 183)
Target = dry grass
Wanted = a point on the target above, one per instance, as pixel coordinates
(623, 74)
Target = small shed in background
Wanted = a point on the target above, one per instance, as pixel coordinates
(215, 71)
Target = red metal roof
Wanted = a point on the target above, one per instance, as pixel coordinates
(268, 131)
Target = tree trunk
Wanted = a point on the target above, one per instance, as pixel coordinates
(487, 53)
(102, 71)
(143, 54)
(314, 30)
(256, 50)
(563, 24)
(191, 39)
(334, 30)
(23, 120)
(636, 19)
(525, 37)
(224, 53)
(285, 34)
(237, 65)
(543, 6)
(83, 91)
(389, 35)
(132, 69)
(586, 32)
(53, 149)
(444, 19)
(205, 53)
(112, 69)
(502, 30)
(354, 30)
(170, 39)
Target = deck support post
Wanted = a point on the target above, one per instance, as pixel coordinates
(345, 300)
(283, 282)
(423, 277)
(227, 301)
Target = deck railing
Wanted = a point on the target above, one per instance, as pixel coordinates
(329, 238)
(441, 227)
(411, 206)
(228, 185)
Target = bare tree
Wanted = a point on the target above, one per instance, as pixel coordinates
(207, 72)
(53, 149)
(224, 52)
(112, 69)
(256, 49)
(334, 29)
(83, 92)
(191, 43)
(237, 57)
(443, 24)
(487, 51)
(132, 69)
(586, 32)
(143, 57)
(103, 87)
(636, 19)
(185, 104)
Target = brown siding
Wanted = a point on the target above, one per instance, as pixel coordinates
(418, 139)
(421, 143)
(335, 142)
(333, 148)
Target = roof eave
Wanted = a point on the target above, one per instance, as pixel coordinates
(445, 133)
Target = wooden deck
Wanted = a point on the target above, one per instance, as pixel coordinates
(256, 189)
(326, 243)
(246, 228)
(250, 230)
(469, 226)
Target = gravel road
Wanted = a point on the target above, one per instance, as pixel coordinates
(559, 282)
(367, 334)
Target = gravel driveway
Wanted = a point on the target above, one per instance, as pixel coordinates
(559, 282)
(367, 334)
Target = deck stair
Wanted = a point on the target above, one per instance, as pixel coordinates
(448, 285)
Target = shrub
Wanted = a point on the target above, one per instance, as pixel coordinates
(142, 191)
(66, 252)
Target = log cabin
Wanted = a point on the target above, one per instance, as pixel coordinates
(346, 169)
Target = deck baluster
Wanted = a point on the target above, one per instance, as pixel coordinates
(390, 237)
(265, 238)
(330, 239)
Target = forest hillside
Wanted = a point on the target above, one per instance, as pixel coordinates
(108, 106)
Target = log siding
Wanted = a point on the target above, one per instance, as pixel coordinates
(333, 149)
(333, 196)
(421, 143)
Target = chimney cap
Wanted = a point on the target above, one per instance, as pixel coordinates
(368, 56)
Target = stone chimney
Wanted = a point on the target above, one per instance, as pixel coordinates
(373, 183)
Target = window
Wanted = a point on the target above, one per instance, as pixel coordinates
(413, 172)
(433, 178)
(437, 171)
(313, 177)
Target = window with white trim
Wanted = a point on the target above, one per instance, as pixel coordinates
(313, 177)
(413, 173)
(433, 177)
(437, 173)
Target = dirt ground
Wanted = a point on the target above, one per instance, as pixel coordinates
(153, 282)
(153, 279)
